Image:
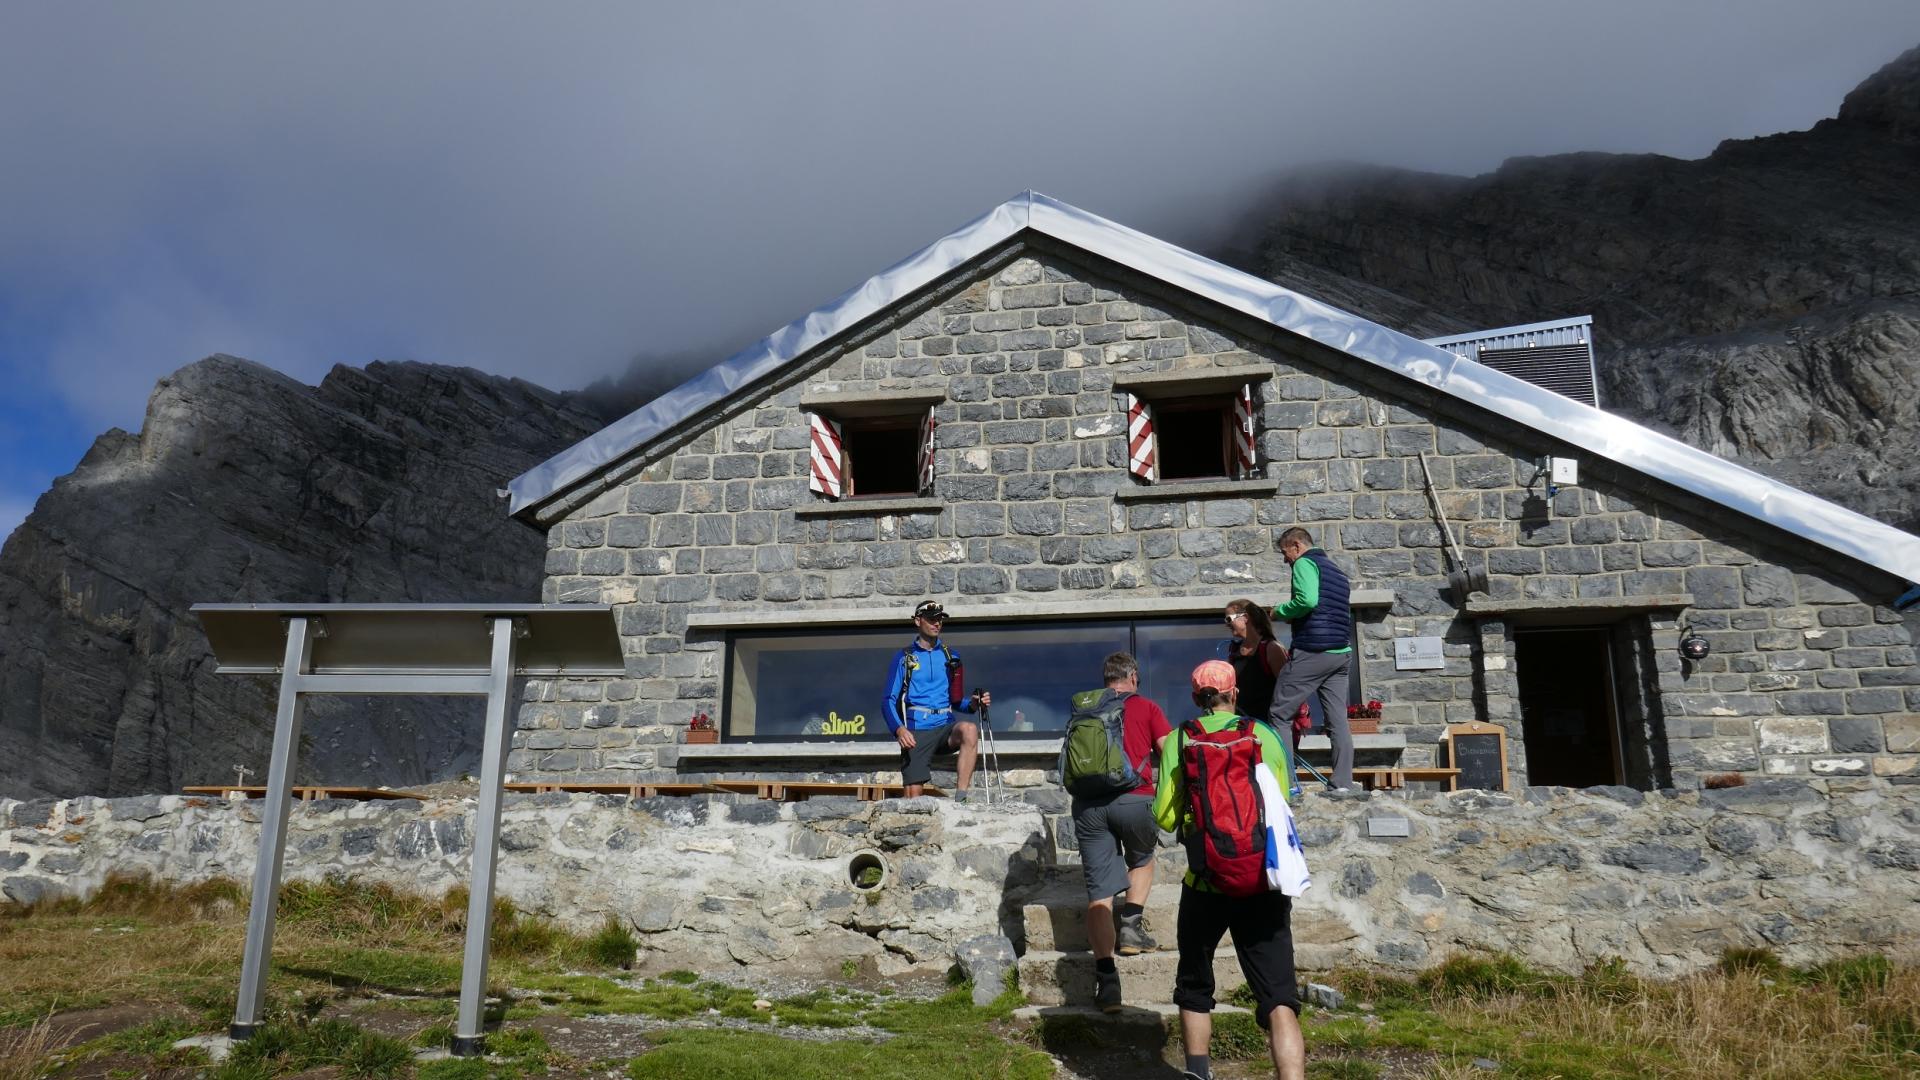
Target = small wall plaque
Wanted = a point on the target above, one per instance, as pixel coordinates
(1388, 826)
(1417, 654)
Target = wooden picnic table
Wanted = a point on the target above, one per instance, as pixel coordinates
(303, 792)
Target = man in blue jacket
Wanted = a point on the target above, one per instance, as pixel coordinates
(1322, 647)
(926, 689)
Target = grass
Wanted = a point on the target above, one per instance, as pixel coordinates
(949, 1036)
(343, 947)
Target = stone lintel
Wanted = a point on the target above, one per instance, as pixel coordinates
(1193, 381)
(844, 403)
(1259, 487)
(1566, 609)
(793, 616)
(869, 507)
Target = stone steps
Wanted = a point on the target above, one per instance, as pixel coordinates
(1060, 924)
(1066, 978)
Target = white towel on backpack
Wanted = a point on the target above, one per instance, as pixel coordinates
(1286, 865)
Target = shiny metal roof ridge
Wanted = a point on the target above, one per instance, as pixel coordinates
(1612, 437)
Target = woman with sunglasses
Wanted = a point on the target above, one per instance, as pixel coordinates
(1256, 658)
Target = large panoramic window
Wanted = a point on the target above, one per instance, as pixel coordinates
(828, 684)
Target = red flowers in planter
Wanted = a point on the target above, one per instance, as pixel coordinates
(1369, 711)
(700, 722)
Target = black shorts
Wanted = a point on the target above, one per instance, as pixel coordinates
(1262, 936)
(916, 765)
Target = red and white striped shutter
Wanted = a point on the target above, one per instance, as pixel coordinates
(927, 424)
(1143, 455)
(1243, 448)
(829, 457)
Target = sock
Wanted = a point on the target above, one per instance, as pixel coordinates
(1105, 966)
(1198, 1065)
(1131, 911)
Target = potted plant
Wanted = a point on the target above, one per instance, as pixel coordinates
(1364, 719)
(700, 729)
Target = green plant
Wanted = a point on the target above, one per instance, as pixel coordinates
(1758, 961)
(849, 968)
(613, 946)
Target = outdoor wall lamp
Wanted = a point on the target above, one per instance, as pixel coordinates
(1694, 648)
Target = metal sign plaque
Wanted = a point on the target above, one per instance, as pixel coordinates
(1417, 653)
(1389, 826)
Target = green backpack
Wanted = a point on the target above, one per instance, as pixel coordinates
(1093, 758)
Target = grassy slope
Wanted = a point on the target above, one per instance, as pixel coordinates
(343, 947)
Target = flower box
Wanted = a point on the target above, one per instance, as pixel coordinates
(701, 735)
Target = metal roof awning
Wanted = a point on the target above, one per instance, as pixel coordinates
(447, 639)
(474, 650)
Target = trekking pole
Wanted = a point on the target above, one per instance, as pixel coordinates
(992, 755)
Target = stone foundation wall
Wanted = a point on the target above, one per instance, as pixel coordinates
(1558, 877)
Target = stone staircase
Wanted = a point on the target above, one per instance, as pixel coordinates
(1056, 964)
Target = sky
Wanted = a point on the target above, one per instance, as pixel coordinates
(554, 191)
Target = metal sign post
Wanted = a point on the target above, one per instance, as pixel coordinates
(461, 649)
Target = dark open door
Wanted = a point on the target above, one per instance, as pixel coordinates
(1567, 708)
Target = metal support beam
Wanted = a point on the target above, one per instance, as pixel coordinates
(459, 685)
(273, 831)
(469, 1035)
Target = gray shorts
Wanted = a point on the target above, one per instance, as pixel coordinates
(1115, 835)
(916, 765)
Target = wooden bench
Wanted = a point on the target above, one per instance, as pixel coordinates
(632, 791)
(1389, 778)
(303, 792)
(801, 790)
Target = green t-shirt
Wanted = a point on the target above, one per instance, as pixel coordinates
(1170, 792)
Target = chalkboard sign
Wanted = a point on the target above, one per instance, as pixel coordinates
(1479, 751)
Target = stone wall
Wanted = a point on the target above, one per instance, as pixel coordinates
(1558, 877)
(1809, 676)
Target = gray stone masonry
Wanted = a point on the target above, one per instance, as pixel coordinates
(1809, 675)
(1559, 878)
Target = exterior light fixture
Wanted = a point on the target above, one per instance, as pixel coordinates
(1694, 647)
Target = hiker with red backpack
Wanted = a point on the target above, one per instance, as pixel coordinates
(1106, 765)
(1210, 791)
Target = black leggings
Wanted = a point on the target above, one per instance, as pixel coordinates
(1262, 936)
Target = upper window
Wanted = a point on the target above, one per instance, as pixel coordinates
(872, 455)
(1191, 437)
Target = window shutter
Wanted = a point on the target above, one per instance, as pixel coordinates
(1243, 447)
(829, 458)
(927, 424)
(1143, 457)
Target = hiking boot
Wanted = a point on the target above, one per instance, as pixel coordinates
(1133, 937)
(1106, 990)
(962, 795)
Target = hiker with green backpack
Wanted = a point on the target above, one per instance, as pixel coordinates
(1106, 765)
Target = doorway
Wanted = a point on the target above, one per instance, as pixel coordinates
(1568, 713)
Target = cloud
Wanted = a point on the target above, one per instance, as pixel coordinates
(551, 191)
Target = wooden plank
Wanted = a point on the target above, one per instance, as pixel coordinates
(303, 792)
(1426, 775)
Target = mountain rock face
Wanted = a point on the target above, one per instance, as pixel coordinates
(247, 486)
(1762, 303)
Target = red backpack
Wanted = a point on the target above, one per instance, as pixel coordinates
(1227, 831)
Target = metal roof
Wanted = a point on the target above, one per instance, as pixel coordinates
(1612, 437)
(1557, 355)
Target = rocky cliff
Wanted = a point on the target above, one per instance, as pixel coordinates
(245, 485)
(1762, 302)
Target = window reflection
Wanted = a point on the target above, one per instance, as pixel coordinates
(828, 684)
